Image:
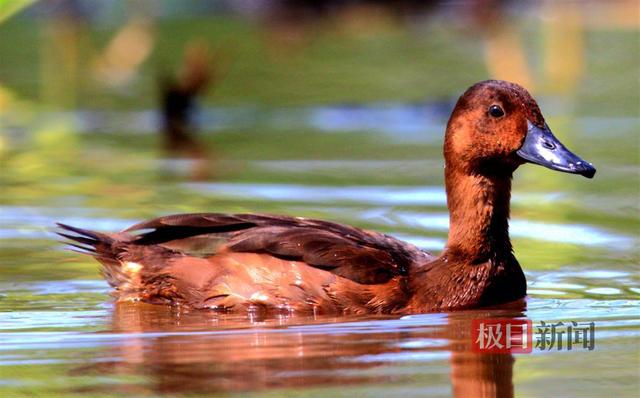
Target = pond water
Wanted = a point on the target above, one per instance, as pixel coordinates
(344, 127)
(577, 240)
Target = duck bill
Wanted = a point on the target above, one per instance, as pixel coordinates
(542, 147)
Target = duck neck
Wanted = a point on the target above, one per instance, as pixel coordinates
(479, 215)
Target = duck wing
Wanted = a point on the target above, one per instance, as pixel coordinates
(362, 256)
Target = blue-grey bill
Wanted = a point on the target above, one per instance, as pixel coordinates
(542, 147)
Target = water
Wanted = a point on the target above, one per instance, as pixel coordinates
(377, 165)
(577, 240)
(60, 334)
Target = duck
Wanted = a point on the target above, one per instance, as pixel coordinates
(234, 263)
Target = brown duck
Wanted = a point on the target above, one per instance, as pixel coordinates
(250, 262)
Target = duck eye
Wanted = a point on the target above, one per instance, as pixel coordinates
(496, 111)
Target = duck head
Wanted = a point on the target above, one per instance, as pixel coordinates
(496, 126)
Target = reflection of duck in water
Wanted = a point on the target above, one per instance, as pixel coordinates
(279, 263)
(184, 352)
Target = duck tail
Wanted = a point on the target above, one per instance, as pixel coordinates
(107, 249)
(86, 241)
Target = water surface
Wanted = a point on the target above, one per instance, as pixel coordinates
(61, 333)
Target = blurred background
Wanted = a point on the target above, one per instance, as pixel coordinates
(115, 111)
